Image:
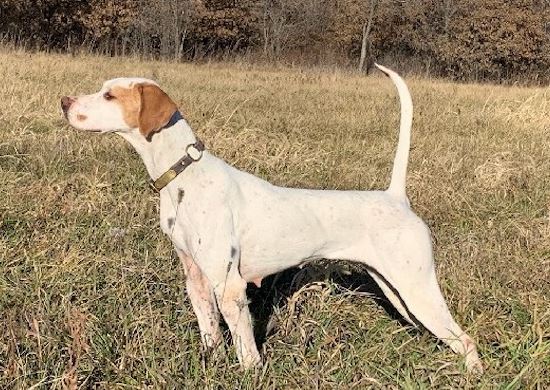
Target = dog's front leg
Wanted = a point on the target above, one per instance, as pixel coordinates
(233, 303)
(222, 269)
(202, 298)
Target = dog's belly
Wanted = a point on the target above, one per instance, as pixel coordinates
(290, 227)
(265, 257)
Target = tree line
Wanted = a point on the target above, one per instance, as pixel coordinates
(462, 39)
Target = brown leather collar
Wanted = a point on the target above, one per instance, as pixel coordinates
(193, 153)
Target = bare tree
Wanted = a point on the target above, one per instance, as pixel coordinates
(293, 24)
(166, 29)
(276, 24)
(367, 27)
(449, 9)
(181, 19)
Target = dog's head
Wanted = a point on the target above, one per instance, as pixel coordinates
(123, 104)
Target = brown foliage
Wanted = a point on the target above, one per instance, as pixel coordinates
(471, 39)
(462, 39)
(107, 18)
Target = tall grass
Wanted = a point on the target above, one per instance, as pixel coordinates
(91, 294)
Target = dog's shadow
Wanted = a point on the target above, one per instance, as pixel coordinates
(277, 289)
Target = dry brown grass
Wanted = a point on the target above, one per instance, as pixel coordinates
(91, 294)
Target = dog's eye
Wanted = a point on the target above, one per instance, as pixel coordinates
(108, 96)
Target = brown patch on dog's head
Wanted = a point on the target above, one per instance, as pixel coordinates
(145, 106)
(81, 117)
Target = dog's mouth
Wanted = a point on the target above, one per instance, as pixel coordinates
(75, 126)
(89, 130)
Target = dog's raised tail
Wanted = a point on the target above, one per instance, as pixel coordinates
(399, 172)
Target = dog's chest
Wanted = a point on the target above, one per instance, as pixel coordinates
(170, 223)
(186, 211)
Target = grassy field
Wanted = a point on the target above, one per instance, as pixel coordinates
(92, 295)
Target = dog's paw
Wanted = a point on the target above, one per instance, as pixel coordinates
(212, 352)
(251, 362)
(474, 364)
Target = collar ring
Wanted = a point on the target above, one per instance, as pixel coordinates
(193, 152)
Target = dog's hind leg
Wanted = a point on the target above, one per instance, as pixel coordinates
(401, 263)
(412, 275)
(391, 295)
(421, 294)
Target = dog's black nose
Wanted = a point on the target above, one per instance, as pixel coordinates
(66, 102)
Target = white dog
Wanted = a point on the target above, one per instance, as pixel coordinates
(230, 228)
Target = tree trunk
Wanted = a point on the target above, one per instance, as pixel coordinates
(267, 27)
(367, 26)
(448, 11)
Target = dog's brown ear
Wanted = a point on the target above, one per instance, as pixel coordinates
(155, 110)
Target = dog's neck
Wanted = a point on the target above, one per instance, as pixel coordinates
(164, 148)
